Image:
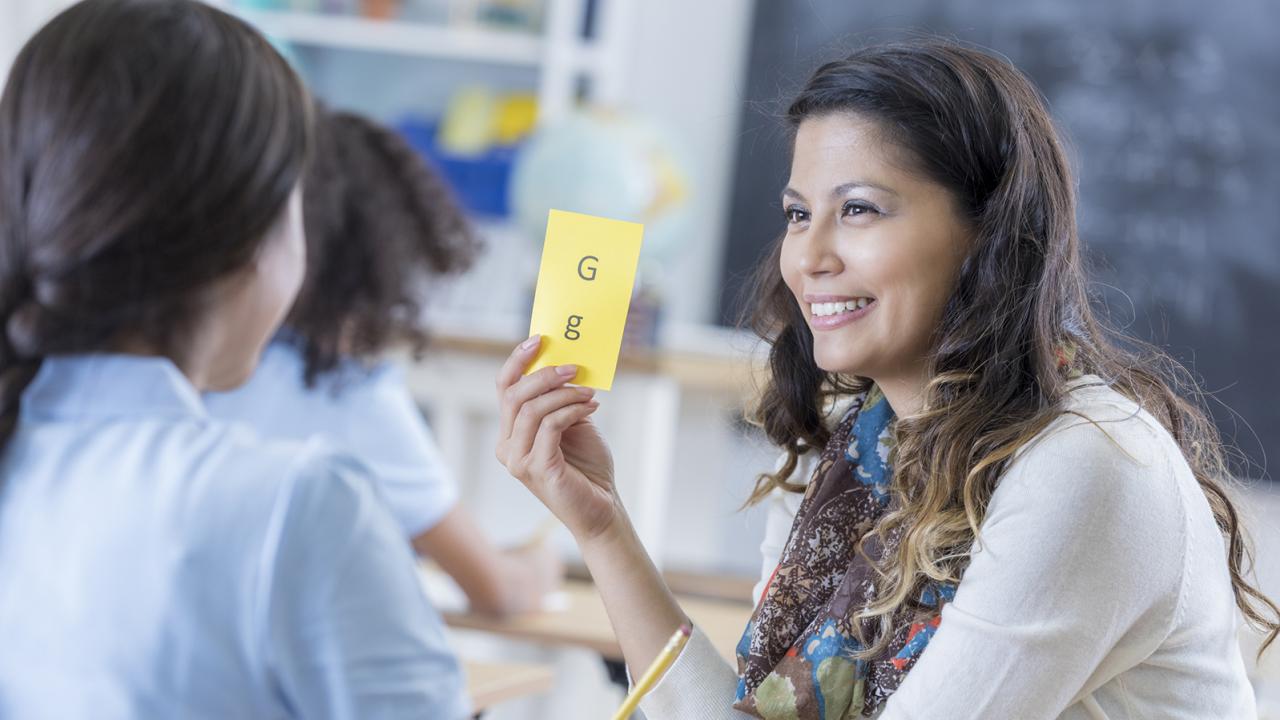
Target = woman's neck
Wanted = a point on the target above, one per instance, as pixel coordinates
(904, 392)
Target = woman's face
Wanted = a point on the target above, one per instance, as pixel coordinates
(872, 249)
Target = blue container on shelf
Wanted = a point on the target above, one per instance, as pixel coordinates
(479, 181)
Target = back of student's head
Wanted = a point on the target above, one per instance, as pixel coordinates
(147, 150)
(379, 225)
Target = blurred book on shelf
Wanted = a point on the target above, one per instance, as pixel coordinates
(524, 15)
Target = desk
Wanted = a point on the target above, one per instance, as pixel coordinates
(583, 622)
(489, 684)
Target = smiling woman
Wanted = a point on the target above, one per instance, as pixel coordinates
(1010, 516)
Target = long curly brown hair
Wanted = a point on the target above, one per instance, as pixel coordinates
(380, 223)
(976, 125)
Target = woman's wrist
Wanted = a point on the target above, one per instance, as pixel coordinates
(602, 527)
(617, 537)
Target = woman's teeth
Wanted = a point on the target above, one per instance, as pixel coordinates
(835, 308)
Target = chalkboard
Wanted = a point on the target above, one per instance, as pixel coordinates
(1172, 116)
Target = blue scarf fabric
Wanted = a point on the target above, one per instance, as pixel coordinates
(796, 658)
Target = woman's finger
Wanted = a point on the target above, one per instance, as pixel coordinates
(546, 445)
(525, 425)
(527, 388)
(516, 363)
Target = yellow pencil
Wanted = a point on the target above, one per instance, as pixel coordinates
(655, 671)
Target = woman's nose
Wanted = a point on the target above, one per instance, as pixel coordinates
(817, 255)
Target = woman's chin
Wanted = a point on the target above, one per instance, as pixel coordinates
(839, 364)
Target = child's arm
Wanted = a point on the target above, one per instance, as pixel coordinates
(496, 582)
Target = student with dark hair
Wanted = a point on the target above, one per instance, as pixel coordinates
(155, 562)
(1012, 515)
(380, 225)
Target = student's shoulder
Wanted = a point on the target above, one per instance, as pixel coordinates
(284, 362)
(353, 383)
(379, 380)
(248, 462)
(376, 411)
(311, 486)
(284, 458)
(351, 386)
(237, 496)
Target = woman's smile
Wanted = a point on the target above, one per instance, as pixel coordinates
(828, 312)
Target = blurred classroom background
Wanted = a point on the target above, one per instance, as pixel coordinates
(666, 112)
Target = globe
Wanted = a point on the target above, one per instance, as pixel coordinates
(605, 164)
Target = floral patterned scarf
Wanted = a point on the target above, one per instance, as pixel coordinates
(795, 660)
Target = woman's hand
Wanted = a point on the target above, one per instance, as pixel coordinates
(548, 442)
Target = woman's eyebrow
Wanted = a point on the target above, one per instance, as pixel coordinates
(840, 190)
(792, 192)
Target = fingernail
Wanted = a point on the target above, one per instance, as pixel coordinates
(567, 370)
(531, 342)
(593, 404)
(586, 392)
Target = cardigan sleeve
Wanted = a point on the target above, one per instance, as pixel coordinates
(701, 685)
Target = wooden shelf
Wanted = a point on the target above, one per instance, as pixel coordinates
(472, 44)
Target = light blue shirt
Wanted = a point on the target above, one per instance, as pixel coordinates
(366, 412)
(156, 563)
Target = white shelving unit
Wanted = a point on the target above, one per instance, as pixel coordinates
(559, 54)
(465, 44)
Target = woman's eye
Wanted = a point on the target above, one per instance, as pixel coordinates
(854, 208)
(796, 214)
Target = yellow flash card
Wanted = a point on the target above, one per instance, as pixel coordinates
(583, 294)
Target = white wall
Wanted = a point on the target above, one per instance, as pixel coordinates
(19, 19)
(687, 71)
